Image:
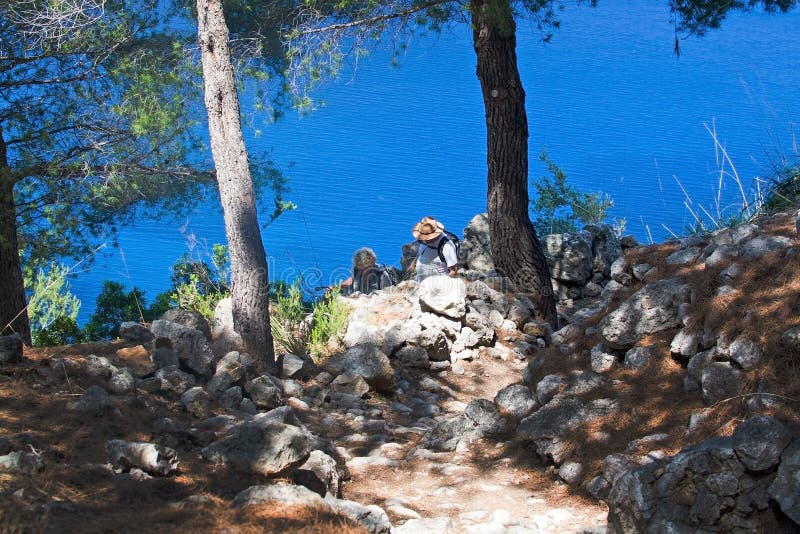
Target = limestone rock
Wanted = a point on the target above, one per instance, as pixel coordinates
(760, 441)
(720, 380)
(261, 446)
(10, 349)
(189, 344)
(516, 401)
(652, 309)
(443, 295)
(367, 361)
(570, 256)
(150, 458)
(94, 401)
(134, 332)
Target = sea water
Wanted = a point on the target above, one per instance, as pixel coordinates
(608, 99)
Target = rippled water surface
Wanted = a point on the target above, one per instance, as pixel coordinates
(607, 98)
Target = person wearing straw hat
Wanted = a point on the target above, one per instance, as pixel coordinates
(436, 254)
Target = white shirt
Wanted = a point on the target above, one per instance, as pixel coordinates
(428, 261)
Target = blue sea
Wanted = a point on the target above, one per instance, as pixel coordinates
(608, 99)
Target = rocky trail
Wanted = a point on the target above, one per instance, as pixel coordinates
(667, 400)
(484, 488)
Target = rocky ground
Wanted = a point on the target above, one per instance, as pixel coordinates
(486, 488)
(468, 416)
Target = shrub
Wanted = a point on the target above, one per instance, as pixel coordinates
(300, 327)
(196, 285)
(559, 207)
(52, 308)
(329, 320)
(195, 296)
(288, 318)
(62, 331)
(784, 189)
(113, 307)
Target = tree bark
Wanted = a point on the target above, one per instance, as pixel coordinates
(13, 305)
(249, 273)
(517, 251)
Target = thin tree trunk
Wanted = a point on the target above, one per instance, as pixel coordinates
(249, 274)
(13, 306)
(516, 249)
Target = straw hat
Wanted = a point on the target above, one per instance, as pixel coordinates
(428, 228)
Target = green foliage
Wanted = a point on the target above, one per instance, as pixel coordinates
(101, 114)
(198, 286)
(300, 327)
(694, 17)
(62, 331)
(52, 308)
(328, 323)
(49, 295)
(559, 207)
(783, 189)
(192, 296)
(288, 314)
(113, 307)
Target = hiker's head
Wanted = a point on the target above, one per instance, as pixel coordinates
(427, 229)
(364, 258)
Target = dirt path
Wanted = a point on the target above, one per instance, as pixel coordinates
(488, 487)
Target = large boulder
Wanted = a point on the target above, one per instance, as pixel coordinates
(189, 344)
(189, 319)
(606, 248)
(232, 369)
(134, 332)
(652, 309)
(320, 474)
(10, 349)
(476, 247)
(708, 488)
(720, 381)
(94, 401)
(548, 429)
(516, 401)
(760, 441)
(570, 256)
(266, 391)
(367, 361)
(443, 295)
(786, 487)
(262, 446)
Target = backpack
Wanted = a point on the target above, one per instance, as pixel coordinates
(453, 238)
(379, 268)
(391, 271)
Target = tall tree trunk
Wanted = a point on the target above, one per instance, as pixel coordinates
(13, 307)
(249, 274)
(516, 249)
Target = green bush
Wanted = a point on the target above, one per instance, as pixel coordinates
(559, 207)
(114, 306)
(784, 189)
(196, 285)
(62, 331)
(288, 314)
(52, 308)
(300, 327)
(194, 296)
(329, 320)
